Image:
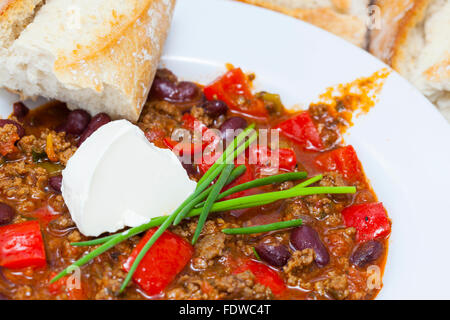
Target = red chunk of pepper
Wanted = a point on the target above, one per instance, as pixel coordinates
(234, 89)
(159, 267)
(263, 275)
(302, 131)
(21, 245)
(369, 219)
(193, 147)
(343, 160)
(287, 160)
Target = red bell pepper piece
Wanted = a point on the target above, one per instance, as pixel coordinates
(343, 160)
(44, 215)
(192, 124)
(60, 286)
(234, 89)
(287, 160)
(21, 245)
(302, 131)
(156, 136)
(180, 148)
(159, 267)
(369, 219)
(263, 275)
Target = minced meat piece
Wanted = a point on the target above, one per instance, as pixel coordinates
(8, 138)
(24, 184)
(297, 265)
(235, 286)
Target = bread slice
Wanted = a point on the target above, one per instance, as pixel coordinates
(345, 18)
(414, 40)
(99, 55)
(15, 15)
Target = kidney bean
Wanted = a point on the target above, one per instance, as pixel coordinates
(20, 129)
(20, 110)
(233, 123)
(77, 121)
(3, 297)
(165, 89)
(187, 91)
(366, 253)
(305, 237)
(190, 169)
(96, 122)
(215, 108)
(275, 255)
(7, 214)
(55, 183)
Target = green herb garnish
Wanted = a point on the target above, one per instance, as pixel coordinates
(265, 227)
(38, 155)
(256, 254)
(211, 199)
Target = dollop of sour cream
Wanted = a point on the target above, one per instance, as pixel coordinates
(118, 178)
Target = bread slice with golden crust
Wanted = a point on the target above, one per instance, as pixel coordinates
(15, 15)
(345, 18)
(100, 55)
(414, 40)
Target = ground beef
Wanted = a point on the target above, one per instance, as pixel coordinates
(200, 114)
(335, 287)
(63, 147)
(8, 138)
(160, 116)
(300, 262)
(340, 241)
(332, 179)
(234, 286)
(208, 248)
(23, 184)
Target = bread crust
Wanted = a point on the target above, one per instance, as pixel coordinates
(126, 59)
(398, 18)
(336, 19)
(101, 62)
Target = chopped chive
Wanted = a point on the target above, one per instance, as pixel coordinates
(270, 197)
(211, 199)
(256, 254)
(260, 182)
(265, 227)
(308, 182)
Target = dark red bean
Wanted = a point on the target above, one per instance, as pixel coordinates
(305, 237)
(55, 183)
(20, 110)
(20, 129)
(229, 127)
(275, 255)
(366, 253)
(163, 88)
(96, 122)
(3, 297)
(181, 92)
(77, 121)
(215, 108)
(7, 214)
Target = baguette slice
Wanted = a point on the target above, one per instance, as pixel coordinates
(414, 40)
(99, 55)
(344, 18)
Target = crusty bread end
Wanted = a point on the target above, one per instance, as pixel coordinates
(345, 18)
(103, 61)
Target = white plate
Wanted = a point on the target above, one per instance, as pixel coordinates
(403, 143)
